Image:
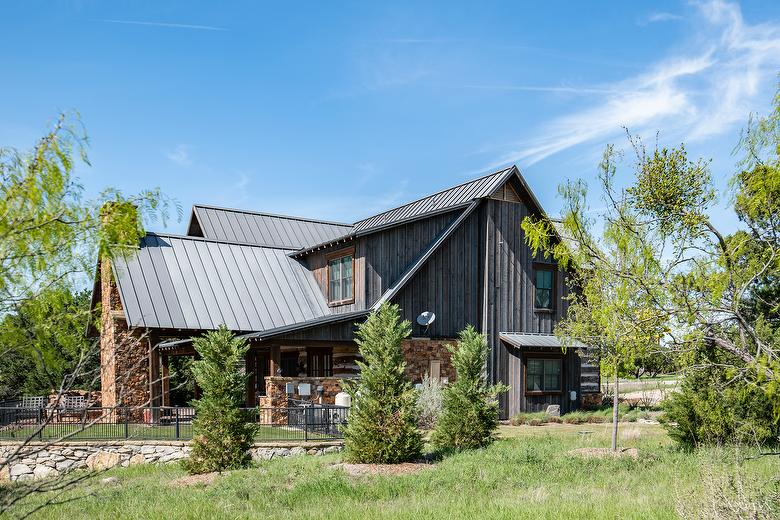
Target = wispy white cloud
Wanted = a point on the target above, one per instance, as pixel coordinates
(180, 155)
(660, 16)
(553, 89)
(704, 91)
(168, 25)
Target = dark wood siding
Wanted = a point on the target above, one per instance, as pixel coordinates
(519, 401)
(381, 257)
(447, 284)
(509, 294)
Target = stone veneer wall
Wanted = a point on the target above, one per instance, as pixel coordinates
(419, 352)
(56, 459)
(277, 398)
(124, 357)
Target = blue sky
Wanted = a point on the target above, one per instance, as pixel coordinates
(338, 110)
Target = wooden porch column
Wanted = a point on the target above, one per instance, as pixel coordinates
(250, 364)
(154, 372)
(166, 381)
(276, 360)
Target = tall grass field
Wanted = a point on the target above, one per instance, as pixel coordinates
(528, 473)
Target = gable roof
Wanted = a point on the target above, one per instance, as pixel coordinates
(176, 282)
(263, 229)
(449, 199)
(243, 272)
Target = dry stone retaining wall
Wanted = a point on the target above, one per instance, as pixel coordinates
(57, 459)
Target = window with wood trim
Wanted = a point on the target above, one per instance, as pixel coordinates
(544, 294)
(319, 362)
(543, 375)
(341, 287)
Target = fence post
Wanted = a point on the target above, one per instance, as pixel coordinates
(40, 424)
(305, 424)
(177, 422)
(127, 423)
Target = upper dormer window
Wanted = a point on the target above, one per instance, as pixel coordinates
(341, 287)
(545, 282)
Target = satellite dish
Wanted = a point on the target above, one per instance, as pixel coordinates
(426, 318)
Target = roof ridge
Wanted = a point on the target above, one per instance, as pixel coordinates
(227, 242)
(491, 174)
(266, 214)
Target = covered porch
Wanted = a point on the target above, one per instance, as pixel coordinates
(280, 373)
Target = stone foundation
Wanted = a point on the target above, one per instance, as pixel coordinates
(57, 459)
(419, 352)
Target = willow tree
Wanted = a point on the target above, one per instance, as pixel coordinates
(607, 309)
(651, 262)
(50, 236)
(49, 232)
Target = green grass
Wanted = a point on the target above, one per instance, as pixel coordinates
(600, 415)
(139, 432)
(526, 474)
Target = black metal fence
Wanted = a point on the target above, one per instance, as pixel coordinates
(293, 423)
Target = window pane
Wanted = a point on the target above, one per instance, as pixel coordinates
(552, 382)
(534, 383)
(534, 366)
(543, 300)
(346, 269)
(552, 366)
(544, 279)
(335, 290)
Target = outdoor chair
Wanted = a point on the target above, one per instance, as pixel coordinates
(31, 408)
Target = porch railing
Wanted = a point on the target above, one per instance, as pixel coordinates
(292, 423)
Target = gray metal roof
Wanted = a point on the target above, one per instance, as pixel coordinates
(444, 200)
(529, 339)
(265, 229)
(176, 282)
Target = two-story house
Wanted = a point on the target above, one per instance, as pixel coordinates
(296, 287)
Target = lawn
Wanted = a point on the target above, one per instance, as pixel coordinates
(526, 474)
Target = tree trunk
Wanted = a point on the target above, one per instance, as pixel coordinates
(615, 413)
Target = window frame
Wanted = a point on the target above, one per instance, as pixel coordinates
(337, 255)
(553, 269)
(544, 357)
(323, 352)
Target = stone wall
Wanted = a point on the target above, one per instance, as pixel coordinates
(276, 395)
(124, 355)
(41, 461)
(419, 352)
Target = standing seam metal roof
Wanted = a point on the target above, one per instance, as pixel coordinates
(265, 229)
(449, 198)
(176, 282)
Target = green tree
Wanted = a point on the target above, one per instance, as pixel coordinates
(48, 231)
(667, 269)
(382, 426)
(470, 410)
(46, 347)
(222, 433)
(607, 310)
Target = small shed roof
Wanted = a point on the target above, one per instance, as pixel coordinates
(176, 282)
(265, 229)
(536, 340)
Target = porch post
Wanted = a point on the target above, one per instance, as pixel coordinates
(276, 360)
(251, 380)
(166, 381)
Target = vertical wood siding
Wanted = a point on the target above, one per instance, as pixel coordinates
(447, 284)
(510, 300)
